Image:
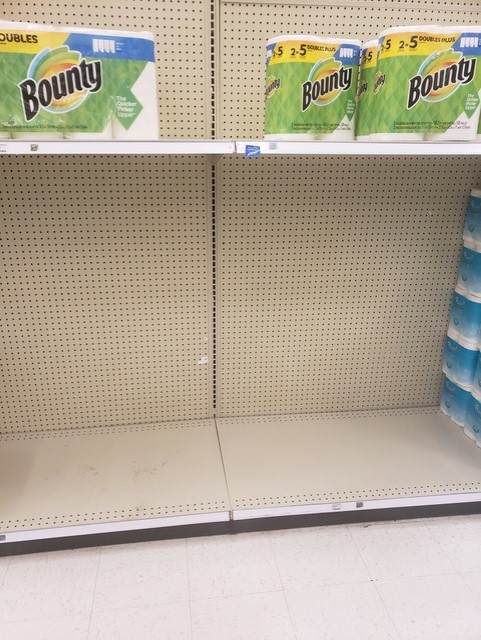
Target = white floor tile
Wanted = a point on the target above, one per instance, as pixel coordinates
(143, 574)
(261, 616)
(400, 549)
(473, 580)
(4, 562)
(161, 622)
(231, 565)
(340, 612)
(460, 539)
(62, 628)
(317, 556)
(432, 608)
(47, 585)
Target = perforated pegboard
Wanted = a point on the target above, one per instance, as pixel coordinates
(245, 28)
(334, 280)
(105, 283)
(182, 36)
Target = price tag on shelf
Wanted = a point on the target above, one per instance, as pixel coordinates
(3, 148)
(252, 151)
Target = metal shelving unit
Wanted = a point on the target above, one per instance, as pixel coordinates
(157, 295)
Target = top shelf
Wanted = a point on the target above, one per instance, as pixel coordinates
(116, 147)
(248, 148)
(273, 147)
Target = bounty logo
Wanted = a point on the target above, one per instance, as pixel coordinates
(58, 80)
(327, 80)
(439, 77)
(379, 80)
(272, 85)
(361, 90)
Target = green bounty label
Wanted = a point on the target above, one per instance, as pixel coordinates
(310, 88)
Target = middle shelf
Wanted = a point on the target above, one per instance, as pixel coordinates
(247, 148)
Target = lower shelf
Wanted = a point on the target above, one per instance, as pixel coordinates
(318, 463)
(73, 483)
(64, 483)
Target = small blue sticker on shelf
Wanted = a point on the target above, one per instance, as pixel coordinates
(252, 151)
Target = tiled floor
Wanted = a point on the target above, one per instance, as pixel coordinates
(404, 580)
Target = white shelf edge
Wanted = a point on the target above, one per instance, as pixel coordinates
(255, 148)
(117, 147)
(388, 503)
(113, 527)
(240, 147)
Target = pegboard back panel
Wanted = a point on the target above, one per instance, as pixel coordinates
(105, 291)
(334, 280)
(182, 30)
(245, 28)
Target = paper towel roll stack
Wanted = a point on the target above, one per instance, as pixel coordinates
(456, 67)
(455, 401)
(461, 392)
(428, 84)
(310, 91)
(399, 59)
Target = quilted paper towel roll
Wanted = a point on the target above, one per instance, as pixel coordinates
(472, 222)
(472, 427)
(450, 83)
(400, 114)
(469, 278)
(455, 401)
(310, 90)
(459, 361)
(465, 318)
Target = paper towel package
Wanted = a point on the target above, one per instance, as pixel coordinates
(311, 84)
(402, 50)
(62, 81)
(428, 82)
(459, 362)
(472, 427)
(469, 278)
(456, 69)
(472, 222)
(455, 401)
(465, 319)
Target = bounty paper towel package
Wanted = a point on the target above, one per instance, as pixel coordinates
(57, 81)
(472, 427)
(456, 85)
(455, 401)
(459, 362)
(472, 222)
(311, 88)
(365, 90)
(469, 278)
(465, 319)
(428, 80)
